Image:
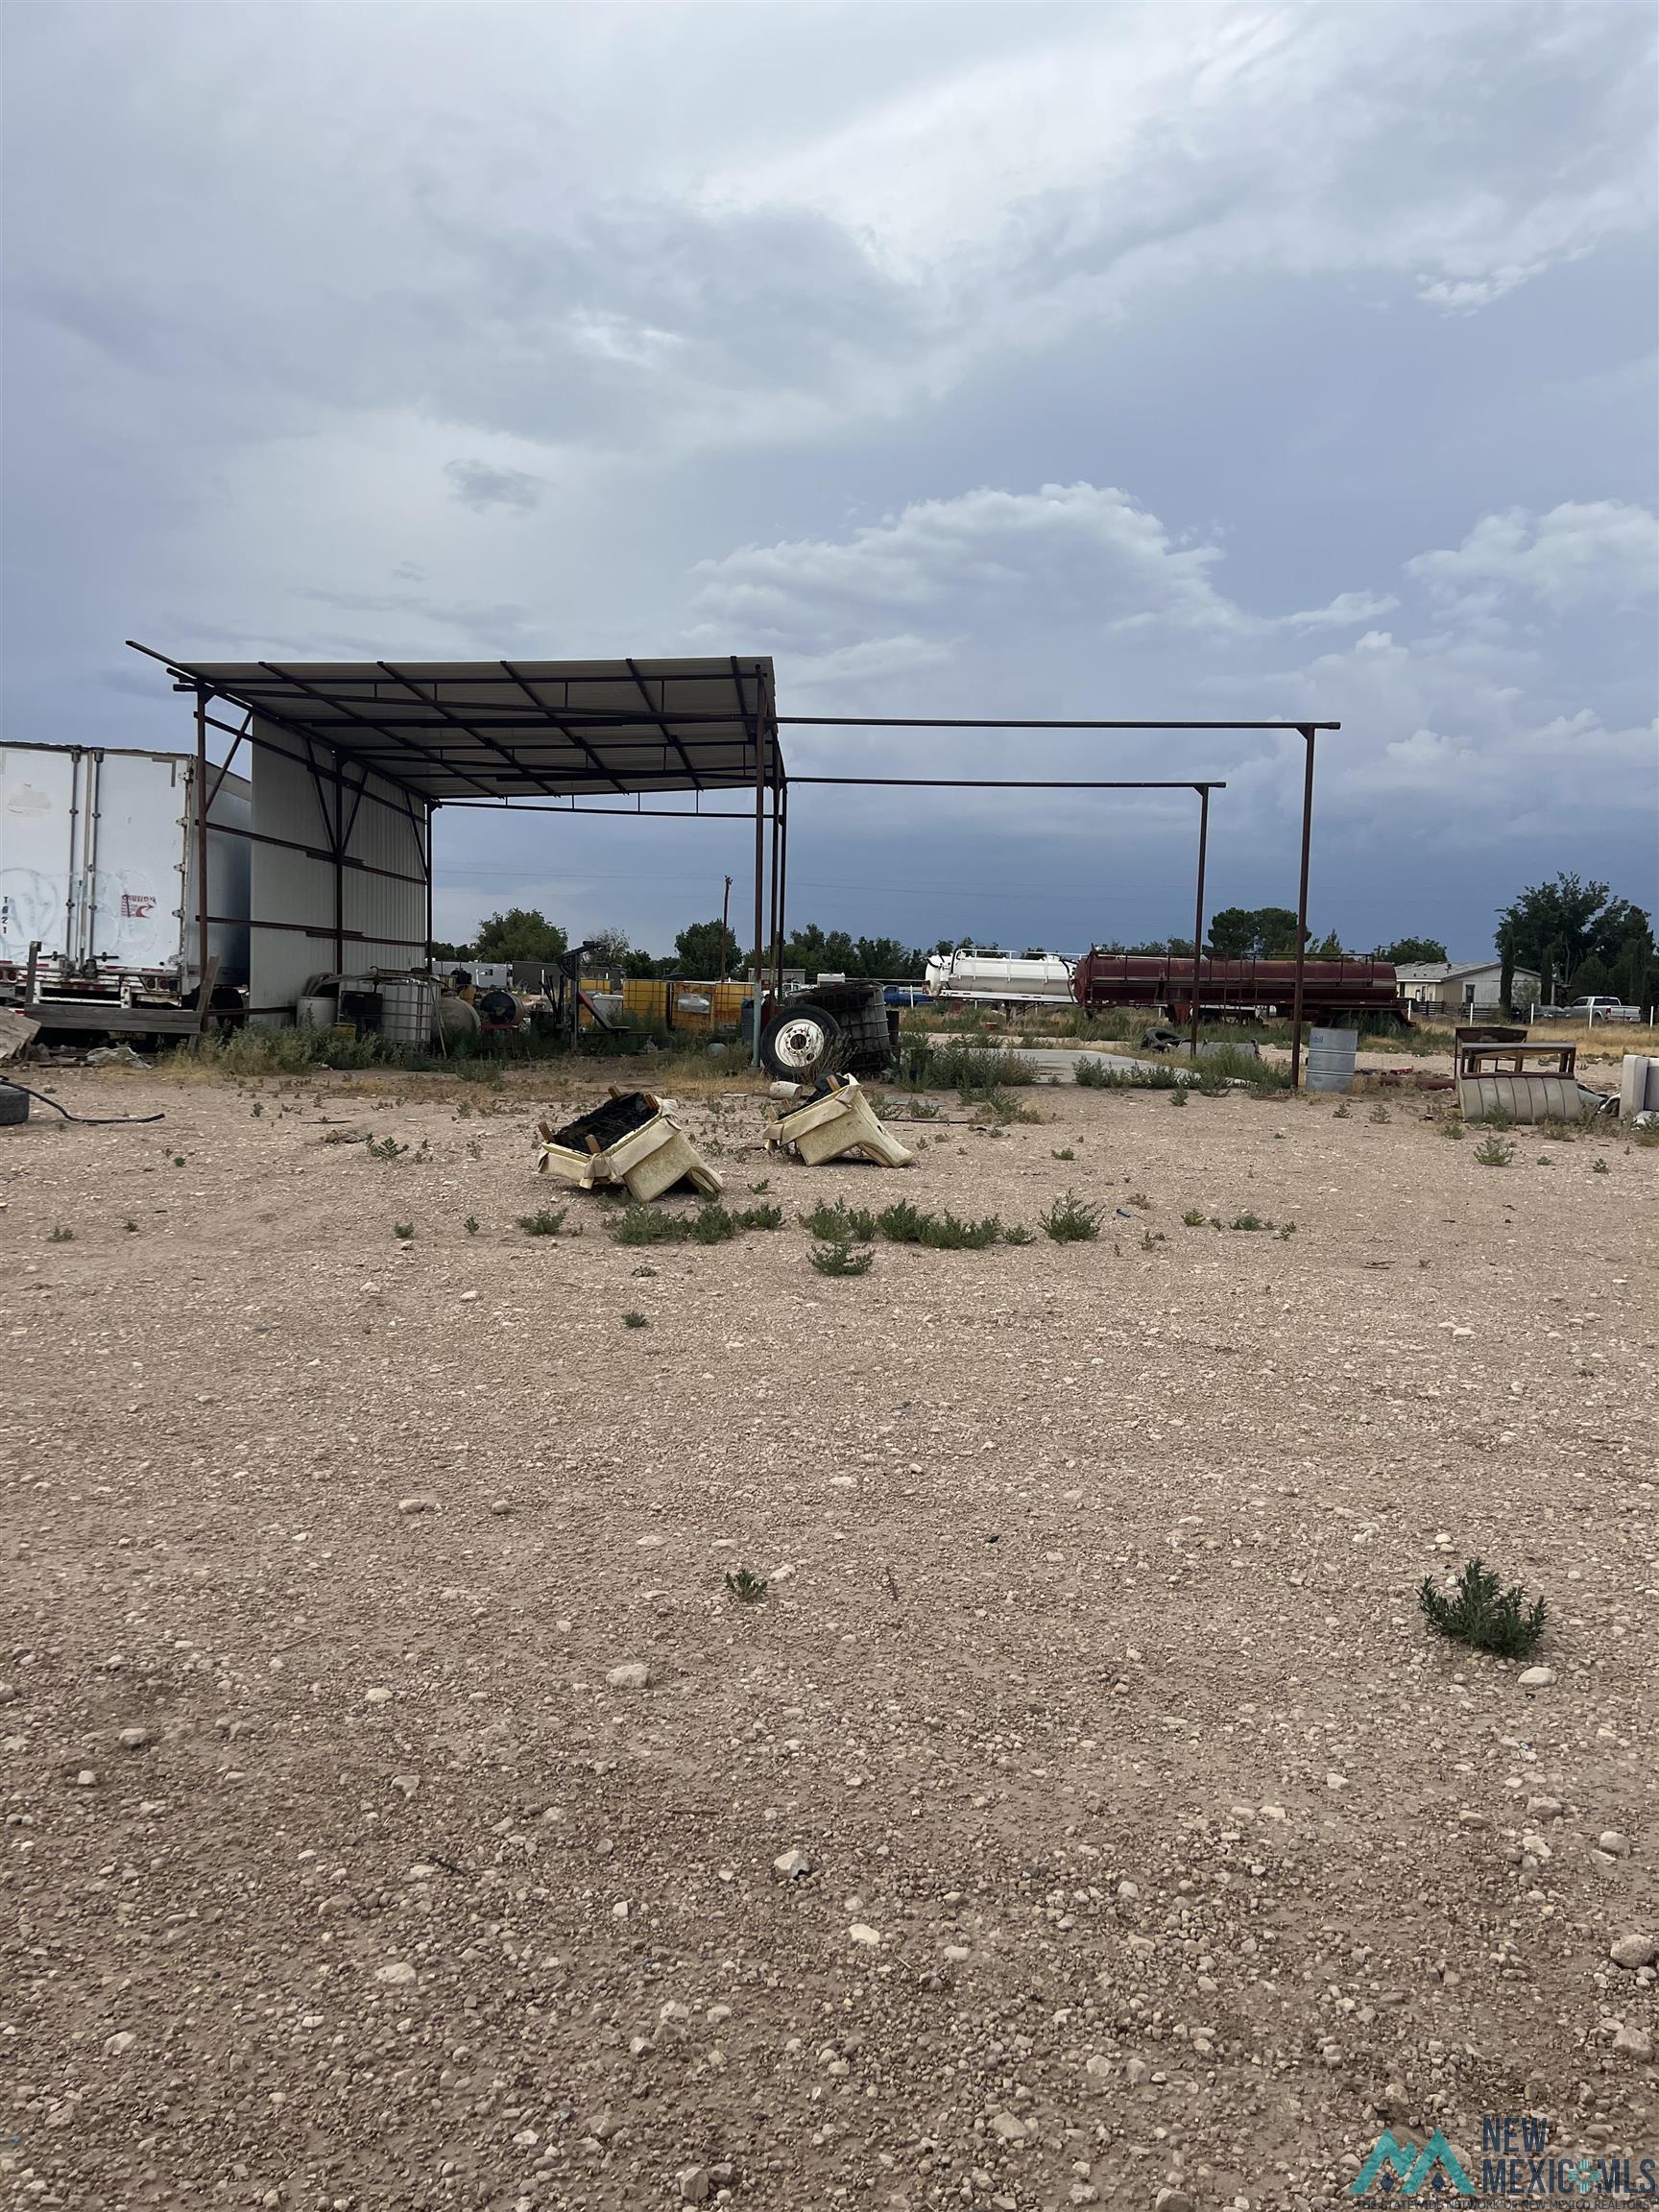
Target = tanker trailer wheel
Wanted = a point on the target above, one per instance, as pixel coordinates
(799, 1042)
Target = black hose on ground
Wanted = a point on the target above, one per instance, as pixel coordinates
(85, 1120)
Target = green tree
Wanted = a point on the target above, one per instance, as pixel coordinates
(1557, 926)
(1411, 951)
(1635, 971)
(886, 957)
(441, 952)
(609, 951)
(805, 949)
(697, 952)
(520, 933)
(1253, 933)
(834, 952)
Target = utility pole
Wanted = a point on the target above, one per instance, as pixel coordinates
(725, 932)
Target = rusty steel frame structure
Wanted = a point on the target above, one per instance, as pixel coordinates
(1308, 731)
(1203, 787)
(528, 712)
(389, 754)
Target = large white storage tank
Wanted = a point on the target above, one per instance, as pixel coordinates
(98, 862)
(998, 977)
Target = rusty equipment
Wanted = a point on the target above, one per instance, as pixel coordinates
(1523, 1082)
(1330, 987)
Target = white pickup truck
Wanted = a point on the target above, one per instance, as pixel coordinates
(1589, 1011)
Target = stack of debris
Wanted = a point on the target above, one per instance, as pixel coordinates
(631, 1139)
(1539, 1083)
(830, 1118)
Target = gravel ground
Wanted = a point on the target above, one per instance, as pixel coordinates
(399, 1812)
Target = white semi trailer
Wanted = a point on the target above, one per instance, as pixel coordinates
(98, 854)
(1000, 980)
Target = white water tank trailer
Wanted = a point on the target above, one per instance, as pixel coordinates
(999, 978)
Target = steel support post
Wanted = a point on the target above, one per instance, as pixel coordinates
(1198, 910)
(783, 879)
(1302, 910)
(431, 812)
(775, 939)
(201, 840)
(760, 986)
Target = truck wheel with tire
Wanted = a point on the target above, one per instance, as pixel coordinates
(799, 1042)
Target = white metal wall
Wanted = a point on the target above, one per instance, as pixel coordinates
(299, 887)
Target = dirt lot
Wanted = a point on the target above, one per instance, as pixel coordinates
(1156, 1853)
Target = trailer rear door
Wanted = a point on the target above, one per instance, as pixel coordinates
(136, 855)
(39, 831)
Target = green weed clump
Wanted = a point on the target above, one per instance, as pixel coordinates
(1485, 1615)
(1231, 1063)
(546, 1222)
(766, 1216)
(1099, 1071)
(1494, 1151)
(1072, 1220)
(635, 1321)
(903, 1223)
(710, 1224)
(638, 1224)
(713, 1224)
(962, 1064)
(840, 1223)
(945, 1233)
(746, 1588)
(841, 1259)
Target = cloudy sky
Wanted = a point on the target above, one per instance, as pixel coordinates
(1167, 361)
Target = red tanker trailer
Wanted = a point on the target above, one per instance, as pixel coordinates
(1333, 991)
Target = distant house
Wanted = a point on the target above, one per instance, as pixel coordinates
(1459, 988)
